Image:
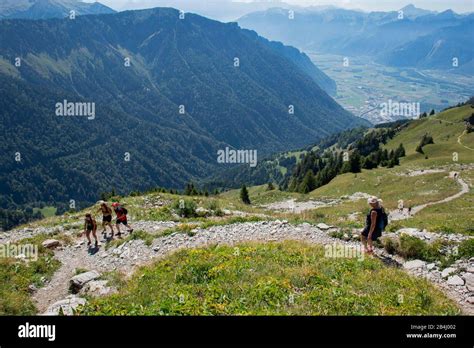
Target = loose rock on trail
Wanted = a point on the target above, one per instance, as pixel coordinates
(294, 206)
(126, 257)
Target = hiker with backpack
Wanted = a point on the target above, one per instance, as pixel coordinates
(90, 225)
(106, 218)
(121, 213)
(384, 215)
(376, 222)
(401, 206)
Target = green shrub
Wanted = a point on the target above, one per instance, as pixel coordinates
(433, 251)
(181, 228)
(161, 214)
(16, 277)
(390, 245)
(466, 249)
(114, 279)
(145, 236)
(185, 208)
(411, 247)
(337, 234)
(214, 207)
(139, 234)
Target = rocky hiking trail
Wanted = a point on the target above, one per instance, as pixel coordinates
(66, 290)
(457, 282)
(403, 215)
(297, 207)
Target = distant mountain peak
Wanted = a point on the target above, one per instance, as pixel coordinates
(448, 12)
(412, 10)
(45, 9)
(409, 7)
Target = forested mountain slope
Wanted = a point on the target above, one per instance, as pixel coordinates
(168, 94)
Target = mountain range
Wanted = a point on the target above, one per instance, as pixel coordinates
(410, 37)
(168, 93)
(43, 9)
(46, 9)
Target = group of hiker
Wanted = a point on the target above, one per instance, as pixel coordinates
(90, 224)
(376, 221)
(402, 209)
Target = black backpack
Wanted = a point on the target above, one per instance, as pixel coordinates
(384, 218)
(122, 209)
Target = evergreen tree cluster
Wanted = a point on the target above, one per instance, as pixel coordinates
(317, 169)
(469, 123)
(10, 218)
(425, 140)
(383, 158)
(191, 190)
(424, 115)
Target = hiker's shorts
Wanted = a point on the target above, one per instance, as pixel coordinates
(375, 235)
(121, 222)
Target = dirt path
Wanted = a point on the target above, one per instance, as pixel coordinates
(459, 137)
(397, 215)
(295, 207)
(460, 143)
(127, 257)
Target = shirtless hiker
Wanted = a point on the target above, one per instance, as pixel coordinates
(106, 218)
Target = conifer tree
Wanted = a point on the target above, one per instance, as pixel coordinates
(244, 195)
(308, 184)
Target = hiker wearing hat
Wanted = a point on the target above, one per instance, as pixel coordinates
(121, 213)
(375, 223)
(106, 217)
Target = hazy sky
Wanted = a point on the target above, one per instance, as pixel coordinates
(367, 5)
(385, 5)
